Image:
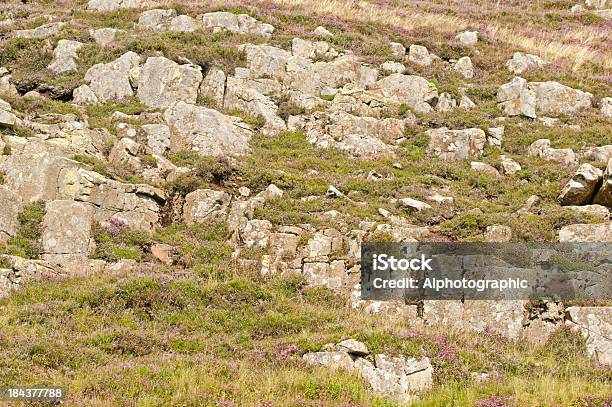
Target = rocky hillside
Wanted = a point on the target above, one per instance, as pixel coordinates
(185, 188)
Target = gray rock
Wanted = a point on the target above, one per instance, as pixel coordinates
(413, 91)
(158, 137)
(498, 234)
(44, 31)
(164, 82)
(391, 67)
(205, 204)
(599, 232)
(419, 55)
(184, 23)
(467, 38)
(552, 98)
(332, 360)
(484, 168)
(312, 50)
(541, 148)
(67, 229)
(521, 62)
(456, 144)
(113, 5)
(495, 136)
(8, 119)
(606, 107)
(414, 204)
(397, 50)
(256, 233)
(516, 98)
(213, 86)
(599, 154)
(156, 19)
(104, 36)
(65, 56)
(242, 23)
(11, 203)
(265, 61)
(508, 165)
(446, 103)
(595, 325)
(597, 211)
(83, 95)
(581, 188)
(110, 81)
(206, 131)
(604, 195)
(464, 67)
(322, 32)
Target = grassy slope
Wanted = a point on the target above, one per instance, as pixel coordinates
(210, 333)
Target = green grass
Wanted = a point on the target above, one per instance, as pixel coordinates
(26, 242)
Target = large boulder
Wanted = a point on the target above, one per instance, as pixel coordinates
(43, 31)
(213, 86)
(464, 67)
(111, 81)
(599, 232)
(580, 189)
(456, 144)
(65, 56)
(411, 90)
(419, 55)
(156, 19)
(67, 230)
(266, 61)
(521, 62)
(595, 324)
(515, 98)
(10, 203)
(541, 148)
(237, 23)
(238, 95)
(604, 195)
(113, 5)
(205, 204)
(553, 98)
(206, 131)
(163, 82)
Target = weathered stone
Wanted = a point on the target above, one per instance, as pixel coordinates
(391, 67)
(464, 67)
(484, 168)
(552, 98)
(597, 211)
(541, 148)
(206, 131)
(414, 91)
(508, 166)
(604, 195)
(104, 36)
(419, 55)
(205, 204)
(597, 4)
(599, 232)
(67, 229)
(158, 137)
(163, 253)
(456, 144)
(237, 23)
(113, 5)
(467, 38)
(599, 154)
(83, 95)
(332, 360)
(65, 56)
(495, 136)
(440, 199)
(184, 23)
(515, 98)
(606, 107)
(521, 62)
(10, 203)
(8, 119)
(414, 204)
(241, 97)
(213, 86)
(284, 244)
(164, 82)
(353, 347)
(125, 154)
(466, 103)
(322, 32)
(312, 50)
(44, 31)
(498, 234)
(319, 245)
(265, 61)
(110, 81)
(581, 188)
(595, 325)
(156, 19)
